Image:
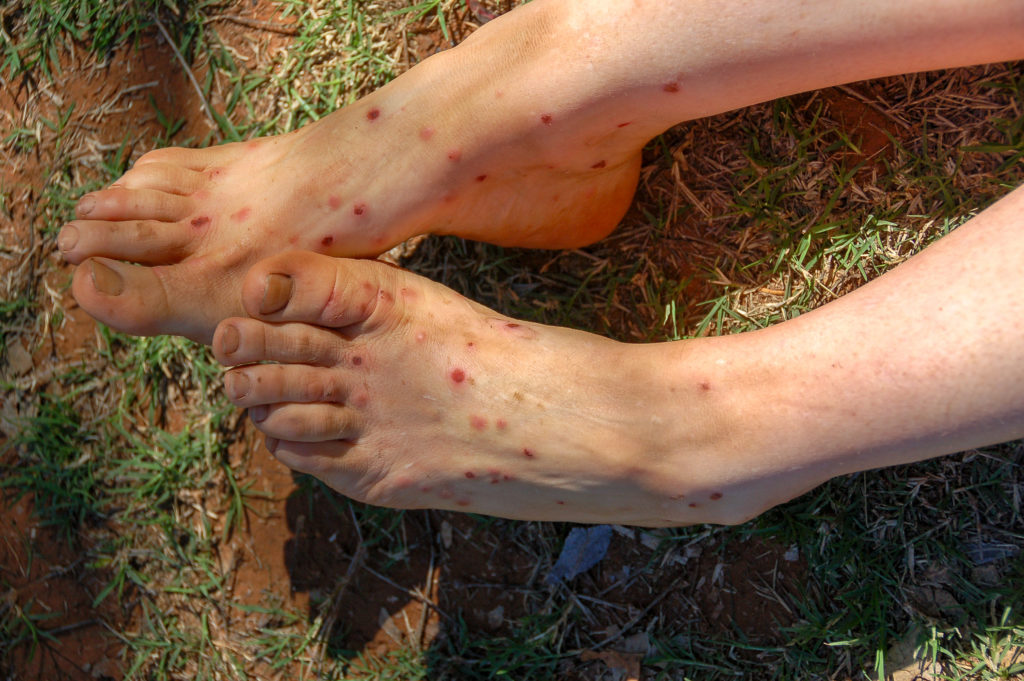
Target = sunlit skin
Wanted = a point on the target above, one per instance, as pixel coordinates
(529, 134)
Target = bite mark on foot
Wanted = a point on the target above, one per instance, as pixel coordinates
(327, 241)
(458, 375)
(334, 202)
(426, 133)
(373, 114)
(715, 496)
(200, 222)
(481, 178)
(545, 119)
(528, 453)
(241, 214)
(672, 87)
(478, 422)
(454, 155)
(359, 208)
(599, 164)
(622, 125)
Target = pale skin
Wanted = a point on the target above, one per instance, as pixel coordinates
(397, 391)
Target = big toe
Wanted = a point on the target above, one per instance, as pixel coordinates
(149, 301)
(332, 292)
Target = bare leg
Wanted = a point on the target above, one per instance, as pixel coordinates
(527, 134)
(406, 394)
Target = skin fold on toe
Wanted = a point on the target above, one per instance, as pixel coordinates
(397, 391)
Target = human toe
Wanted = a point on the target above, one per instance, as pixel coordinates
(143, 241)
(343, 466)
(120, 203)
(193, 159)
(164, 177)
(313, 422)
(264, 384)
(146, 301)
(242, 341)
(317, 289)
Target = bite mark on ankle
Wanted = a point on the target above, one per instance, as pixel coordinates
(545, 119)
(426, 133)
(373, 114)
(334, 202)
(241, 214)
(455, 155)
(671, 88)
(478, 422)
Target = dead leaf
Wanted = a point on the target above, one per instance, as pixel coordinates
(19, 359)
(626, 662)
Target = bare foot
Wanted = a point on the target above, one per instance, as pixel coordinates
(425, 154)
(406, 394)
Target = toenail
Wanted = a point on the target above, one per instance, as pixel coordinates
(271, 444)
(86, 205)
(239, 385)
(276, 293)
(105, 279)
(229, 339)
(258, 414)
(67, 238)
